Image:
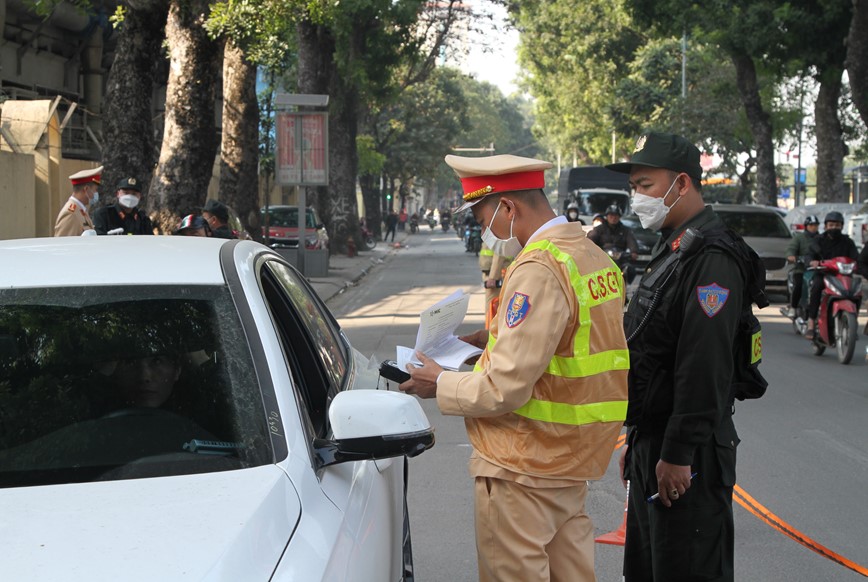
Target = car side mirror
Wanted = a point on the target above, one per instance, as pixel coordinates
(374, 424)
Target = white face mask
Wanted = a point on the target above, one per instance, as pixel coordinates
(652, 211)
(95, 198)
(128, 200)
(505, 248)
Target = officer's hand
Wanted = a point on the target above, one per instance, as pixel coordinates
(672, 481)
(791, 259)
(477, 339)
(423, 381)
(622, 461)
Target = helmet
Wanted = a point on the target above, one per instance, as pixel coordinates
(572, 206)
(599, 217)
(834, 216)
(191, 221)
(811, 219)
(613, 209)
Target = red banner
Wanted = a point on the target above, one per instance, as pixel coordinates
(302, 150)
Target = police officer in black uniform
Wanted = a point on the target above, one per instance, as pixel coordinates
(832, 243)
(125, 213)
(682, 330)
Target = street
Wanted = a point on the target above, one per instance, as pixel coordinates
(803, 455)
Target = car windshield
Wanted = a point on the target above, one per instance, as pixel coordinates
(288, 217)
(755, 224)
(105, 383)
(597, 203)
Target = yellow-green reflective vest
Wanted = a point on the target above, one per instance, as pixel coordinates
(593, 289)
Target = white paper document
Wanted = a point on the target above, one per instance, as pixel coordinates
(436, 336)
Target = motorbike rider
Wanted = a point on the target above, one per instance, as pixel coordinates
(612, 234)
(796, 251)
(832, 243)
(573, 212)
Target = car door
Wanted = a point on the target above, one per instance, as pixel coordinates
(369, 494)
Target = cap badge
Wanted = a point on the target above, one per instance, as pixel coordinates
(131, 181)
(640, 144)
(478, 193)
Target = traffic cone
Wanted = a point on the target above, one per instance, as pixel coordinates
(619, 536)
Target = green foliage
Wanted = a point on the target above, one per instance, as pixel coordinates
(371, 162)
(415, 131)
(264, 28)
(574, 51)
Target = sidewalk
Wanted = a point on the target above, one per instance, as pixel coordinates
(345, 272)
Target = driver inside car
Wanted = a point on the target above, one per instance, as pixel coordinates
(146, 382)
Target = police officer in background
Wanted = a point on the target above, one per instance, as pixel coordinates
(832, 243)
(681, 437)
(545, 402)
(73, 219)
(125, 213)
(612, 234)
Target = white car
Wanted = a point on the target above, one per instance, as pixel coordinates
(187, 408)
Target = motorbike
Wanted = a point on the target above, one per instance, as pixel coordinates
(431, 222)
(800, 315)
(840, 299)
(414, 225)
(474, 239)
(368, 239)
(622, 259)
(444, 222)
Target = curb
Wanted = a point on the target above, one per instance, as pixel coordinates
(373, 263)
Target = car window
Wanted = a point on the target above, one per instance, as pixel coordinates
(104, 383)
(597, 203)
(316, 352)
(755, 224)
(288, 217)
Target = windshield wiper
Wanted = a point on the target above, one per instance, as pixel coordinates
(204, 447)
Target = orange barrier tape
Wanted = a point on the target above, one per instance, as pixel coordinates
(757, 509)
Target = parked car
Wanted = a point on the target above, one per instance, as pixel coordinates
(857, 225)
(765, 231)
(195, 411)
(282, 224)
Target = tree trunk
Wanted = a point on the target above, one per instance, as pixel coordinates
(318, 73)
(239, 150)
(760, 127)
(830, 142)
(189, 138)
(857, 57)
(129, 129)
(371, 195)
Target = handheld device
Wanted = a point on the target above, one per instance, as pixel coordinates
(390, 371)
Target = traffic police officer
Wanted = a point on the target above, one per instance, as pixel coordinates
(125, 213)
(546, 400)
(73, 219)
(681, 439)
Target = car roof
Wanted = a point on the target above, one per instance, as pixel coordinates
(111, 260)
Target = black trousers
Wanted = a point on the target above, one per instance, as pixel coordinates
(798, 285)
(816, 287)
(390, 229)
(693, 540)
